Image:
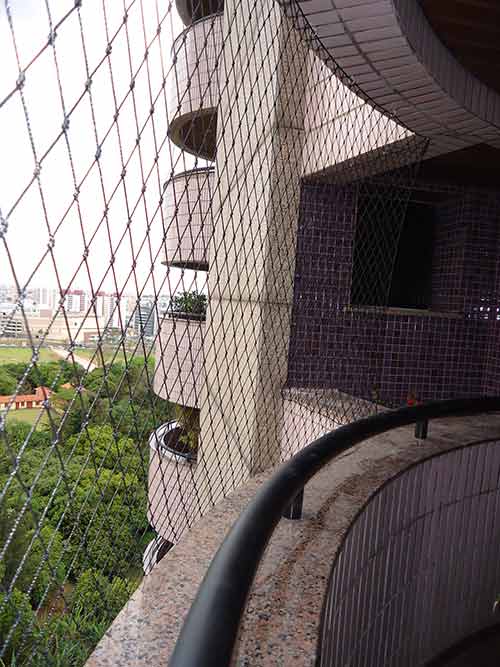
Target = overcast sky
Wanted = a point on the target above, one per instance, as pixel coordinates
(33, 220)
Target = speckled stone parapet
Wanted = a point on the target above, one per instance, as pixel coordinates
(281, 622)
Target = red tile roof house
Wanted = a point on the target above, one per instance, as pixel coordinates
(23, 401)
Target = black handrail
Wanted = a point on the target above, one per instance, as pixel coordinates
(210, 630)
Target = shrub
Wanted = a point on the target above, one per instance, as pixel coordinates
(189, 303)
(17, 619)
(189, 421)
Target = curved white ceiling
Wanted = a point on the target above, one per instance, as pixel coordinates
(390, 50)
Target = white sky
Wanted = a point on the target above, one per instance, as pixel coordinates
(28, 229)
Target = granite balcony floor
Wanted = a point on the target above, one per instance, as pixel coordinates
(281, 621)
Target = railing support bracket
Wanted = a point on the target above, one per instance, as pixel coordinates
(422, 429)
(294, 510)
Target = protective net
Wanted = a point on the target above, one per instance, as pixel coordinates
(204, 223)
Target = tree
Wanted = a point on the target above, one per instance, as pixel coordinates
(17, 622)
(105, 597)
(18, 433)
(88, 480)
(105, 521)
(44, 568)
(8, 383)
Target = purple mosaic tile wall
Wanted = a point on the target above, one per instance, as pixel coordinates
(449, 257)
(481, 217)
(387, 356)
(466, 254)
(491, 383)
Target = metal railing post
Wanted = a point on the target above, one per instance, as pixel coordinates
(294, 509)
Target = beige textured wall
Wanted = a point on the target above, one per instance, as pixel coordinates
(179, 361)
(173, 506)
(193, 81)
(253, 245)
(342, 129)
(187, 211)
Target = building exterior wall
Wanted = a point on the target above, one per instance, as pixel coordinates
(280, 312)
(259, 162)
(385, 354)
(194, 86)
(188, 206)
(173, 505)
(179, 375)
(343, 132)
(466, 255)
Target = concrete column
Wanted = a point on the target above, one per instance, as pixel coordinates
(252, 255)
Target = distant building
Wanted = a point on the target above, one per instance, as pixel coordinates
(26, 401)
(76, 301)
(8, 293)
(145, 317)
(163, 303)
(11, 321)
(66, 328)
(46, 298)
(106, 307)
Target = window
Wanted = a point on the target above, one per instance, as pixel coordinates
(392, 273)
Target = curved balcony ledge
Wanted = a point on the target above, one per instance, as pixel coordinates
(172, 498)
(427, 89)
(187, 208)
(284, 608)
(179, 360)
(194, 87)
(193, 10)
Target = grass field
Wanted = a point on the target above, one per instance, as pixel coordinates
(17, 355)
(28, 416)
(109, 355)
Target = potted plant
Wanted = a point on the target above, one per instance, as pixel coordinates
(189, 305)
(189, 422)
(181, 436)
(421, 427)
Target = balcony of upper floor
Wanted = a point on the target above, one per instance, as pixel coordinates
(187, 208)
(179, 359)
(193, 10)
(193, 87)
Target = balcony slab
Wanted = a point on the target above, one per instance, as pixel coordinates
(281, 623)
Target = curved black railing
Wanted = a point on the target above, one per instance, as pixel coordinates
(211, 627)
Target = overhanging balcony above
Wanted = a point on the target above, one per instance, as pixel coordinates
(188, 198)
(192, 10)
(194, 87)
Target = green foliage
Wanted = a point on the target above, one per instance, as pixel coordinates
(91, 488)
(51, 374)
(104, 448)
(104, 523)
(189, 421)
(7, 382)
(67, 640)
(44, 568)
(189, 303)
(16, 614)
(105, 597)
(138, 422)
(18, 432)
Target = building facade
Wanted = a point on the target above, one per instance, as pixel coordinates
(326, 247)
(364, 258)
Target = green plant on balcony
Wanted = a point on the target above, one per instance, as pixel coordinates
(188, 420)
(189, 304)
